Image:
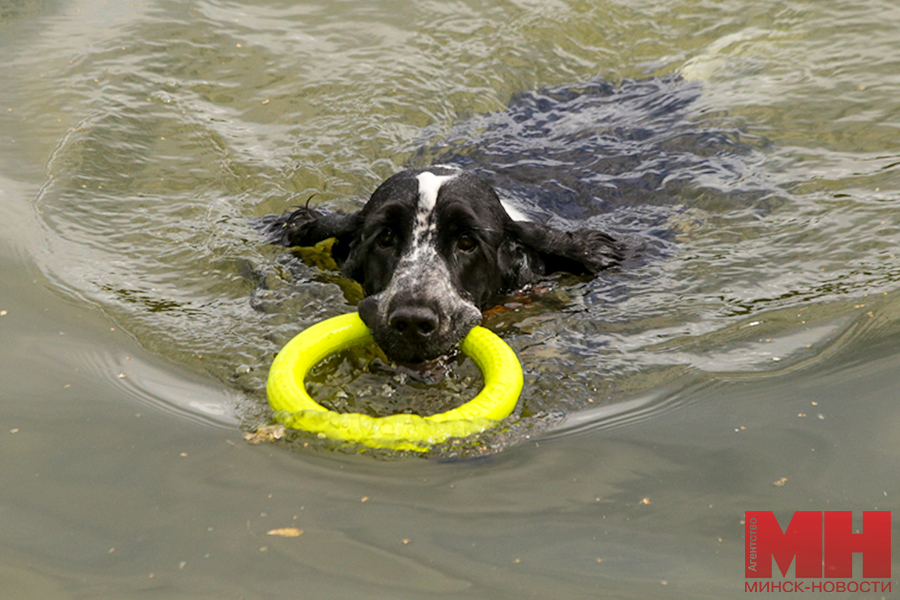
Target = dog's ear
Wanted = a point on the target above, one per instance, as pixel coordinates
(549, 250)
(307, 227)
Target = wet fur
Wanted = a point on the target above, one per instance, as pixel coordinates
(434, 247)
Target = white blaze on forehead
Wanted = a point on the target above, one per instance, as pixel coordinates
(429, 186)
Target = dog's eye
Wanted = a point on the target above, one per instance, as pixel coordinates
(386, 239)
(466, 243)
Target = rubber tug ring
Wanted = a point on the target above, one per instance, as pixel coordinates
(295, 408)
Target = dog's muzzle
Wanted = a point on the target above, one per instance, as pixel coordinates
(414, 329)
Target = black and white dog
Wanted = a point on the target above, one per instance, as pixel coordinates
(434, 247)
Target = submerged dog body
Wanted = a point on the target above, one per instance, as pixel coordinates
(434, 247)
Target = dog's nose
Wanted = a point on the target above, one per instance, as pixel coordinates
(414, 322)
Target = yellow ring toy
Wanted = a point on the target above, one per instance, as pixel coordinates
(295, 408)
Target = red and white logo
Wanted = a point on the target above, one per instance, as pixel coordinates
(820, 544)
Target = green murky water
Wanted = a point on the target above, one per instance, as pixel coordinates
(757, 341)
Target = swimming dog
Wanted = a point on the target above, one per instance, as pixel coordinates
(434, 247)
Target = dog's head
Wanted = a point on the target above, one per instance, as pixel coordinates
(431, 252)
(432, 248)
